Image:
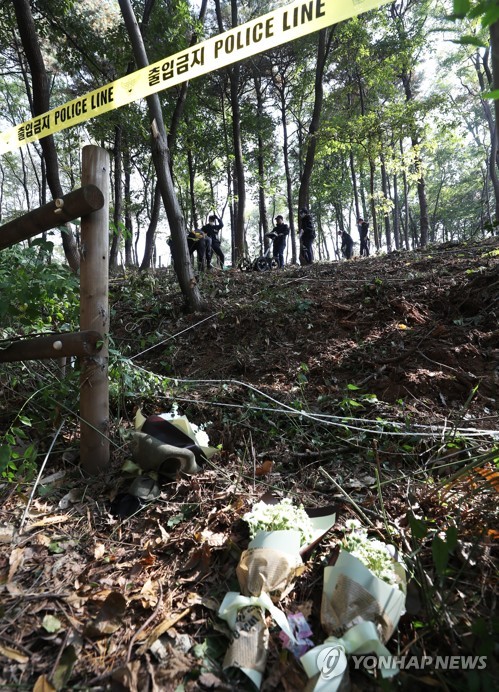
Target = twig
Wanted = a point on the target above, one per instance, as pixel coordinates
(59, 654)
(375, 374)
(40, 473)
(173, 336)
(320, 453)
(345, 494)
(37, 596)
(146, 623)
(378, 483)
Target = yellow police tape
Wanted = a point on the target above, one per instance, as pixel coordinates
(280, 26)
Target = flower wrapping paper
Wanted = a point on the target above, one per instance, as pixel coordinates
(169, 444)
(360, 612)
(266, 573)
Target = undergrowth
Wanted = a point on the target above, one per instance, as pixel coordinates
(431, 492)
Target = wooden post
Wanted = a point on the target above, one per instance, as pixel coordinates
(94, 315)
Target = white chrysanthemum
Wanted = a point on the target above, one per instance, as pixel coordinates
(279, 517)
(374, 554)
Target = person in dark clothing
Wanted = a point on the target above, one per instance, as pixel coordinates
(211, 229)
(307, 235)
(279, 235)
(198, 242)
(364, 239)
(346, 244)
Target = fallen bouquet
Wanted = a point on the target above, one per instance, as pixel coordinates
(266, 573)
(168, 444)
(362, 601)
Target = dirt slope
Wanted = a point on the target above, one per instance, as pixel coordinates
(421, 328)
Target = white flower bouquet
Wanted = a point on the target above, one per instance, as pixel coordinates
(266, 573)
(363, 598)
(375, 555)
(283, 516)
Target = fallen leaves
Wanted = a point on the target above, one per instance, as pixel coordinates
(13, 654)
(43, 685)
(161, 628)
(491, 476)
(264, 469)
(48, 520)
(109, 618)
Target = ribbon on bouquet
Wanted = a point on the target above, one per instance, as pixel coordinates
(328, 661)
(235, 601)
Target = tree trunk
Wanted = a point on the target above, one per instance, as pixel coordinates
(494, 56)
(238, 181)
(418, 165)
(239, 175)
(433, 224)
(354, 186)
(423, 204)
(405, 222)
(161, 159)
(396, 213)
(377, 238)
(490, 117)
(323, 50)
(386, 195)
(128, 214)
(279, 84)
(363, 202)
(151, 231)
(262, 203)
(118, 197)
(192, 197)
(41, 104)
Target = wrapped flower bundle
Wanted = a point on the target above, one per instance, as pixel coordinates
(362, 601)
(168, 444)
(266, 573)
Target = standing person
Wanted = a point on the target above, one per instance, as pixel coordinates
(307, 235)
(346, 244)
(363, 234)
(211, 229)
(279, 235)
(198, 242)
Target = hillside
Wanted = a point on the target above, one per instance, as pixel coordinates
(369, 385)
(418, 328)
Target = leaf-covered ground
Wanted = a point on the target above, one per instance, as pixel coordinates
(370, 385)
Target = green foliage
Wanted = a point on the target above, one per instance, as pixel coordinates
(442, 548)
(355, 399)
(303, 305)
(17, 454)
(36, 296)
(486, 10)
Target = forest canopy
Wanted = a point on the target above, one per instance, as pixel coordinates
(386, 116)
